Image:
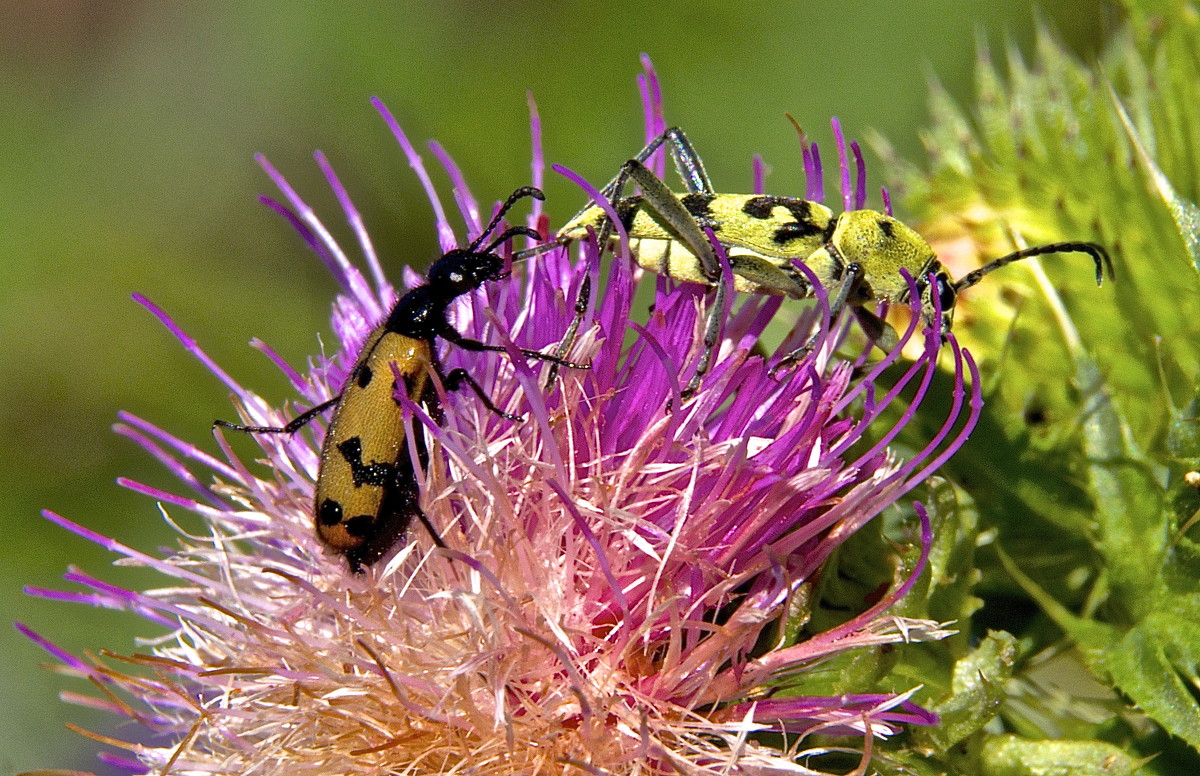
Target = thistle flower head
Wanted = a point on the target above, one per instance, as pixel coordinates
(621, 571)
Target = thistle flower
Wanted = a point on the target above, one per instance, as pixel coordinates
(620, 567)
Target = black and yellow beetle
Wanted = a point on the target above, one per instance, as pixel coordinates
(858, 254)
(366, 490)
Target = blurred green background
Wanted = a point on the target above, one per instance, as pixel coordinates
(127, 132)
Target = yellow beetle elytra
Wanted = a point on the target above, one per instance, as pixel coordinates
(858, 254)
(367, 490)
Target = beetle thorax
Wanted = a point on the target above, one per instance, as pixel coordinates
(882, 246)
(462, 271)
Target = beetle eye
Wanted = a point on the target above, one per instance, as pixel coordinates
(945, 292)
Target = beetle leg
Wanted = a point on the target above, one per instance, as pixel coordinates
(712, 335)
(294, 425)
(568, 339)
(846, 286)
(659, 198)
(877, 329)
(687, 164)
(455, 380)
(451, 334)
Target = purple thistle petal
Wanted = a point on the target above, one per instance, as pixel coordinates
(345, 273)
(487, 574)
(188, 449)
(107, 596)
(877, 406)
(123, 549)
(126, 597)
(810, 168)
(92, 536)
(158, 495)
(860, 176)
(462, 194)
(122, 762)
(537, 164)
(357, 288)
(666, 363)
(887, 200)
(170, 462)
(307, 235)
(929, 368)
(298, 381)
(976, 405)
(843, 164)
(601, 556)
(817, 181)
(877, 370)
(652, 104)
(446, 237)
(863, 619)
(759, 170)
(88, 702)
(191, 346)
(59, 654)
(91, 599)
(919, 566)
(842, 715)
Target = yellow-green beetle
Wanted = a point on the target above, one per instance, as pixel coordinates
(858, 254)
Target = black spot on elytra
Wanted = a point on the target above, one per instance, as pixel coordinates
(759, 207)
(363, 378)
(698, 206)
(797, 231)
(627, 209)
(801, 210)
(830, 228)
(360, 526)
(330, 512)
(885, 226)
(374, 473)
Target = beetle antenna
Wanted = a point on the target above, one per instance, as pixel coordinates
(1096, 251)
(514, 198)
(510, 233)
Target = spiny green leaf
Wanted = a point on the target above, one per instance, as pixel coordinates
(1155, 663)
(1014, 756)
(1049, 160)
(1184, 211)
(1067, 462)
(1131, 530)
(976, 694)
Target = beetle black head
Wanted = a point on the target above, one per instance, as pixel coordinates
(461, 271)
(938, 294)
(464, 269)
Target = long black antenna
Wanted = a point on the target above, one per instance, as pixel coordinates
(511, 232)
(1096, 251)
(514, 198)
